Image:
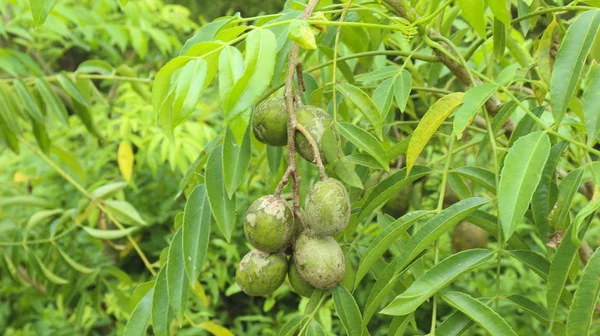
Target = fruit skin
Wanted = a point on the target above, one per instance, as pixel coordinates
(269, 223)
(450, 197)
(319, 260)
(270, 122)
(398, 204)
(315, 120)
(466, 236)
(327, 208)
(260, 273)
(298, 284)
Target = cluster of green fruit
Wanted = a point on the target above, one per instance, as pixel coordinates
(317, 260)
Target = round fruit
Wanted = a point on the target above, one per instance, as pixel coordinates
(269, 223)
(260, 273)
(450, 197)
(319, 261)
(270, 122)
(327, 208)
(398, 204)
(315, 120)
(466, 236)
(299, 285)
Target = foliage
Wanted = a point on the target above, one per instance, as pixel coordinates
(128, 162)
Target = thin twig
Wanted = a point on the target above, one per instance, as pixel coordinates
(315, 149)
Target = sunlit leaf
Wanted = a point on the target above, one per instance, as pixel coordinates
(125, 159)
(473, 12)
(402, 88)
(109, 234)
(236, 157)
(364, 104)
(473, 100)
(124, 212)
(40, 10)
(196, 232)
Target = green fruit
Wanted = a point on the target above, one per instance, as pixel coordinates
(270, 122)
(466, 236)
(269, 223)
(315, 120)
(260, 273)
(319, 261)
(327, 208)
(298, 284)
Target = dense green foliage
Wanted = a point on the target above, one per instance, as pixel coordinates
(129, 161)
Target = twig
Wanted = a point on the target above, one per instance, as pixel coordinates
(294, 66)
(315, 148)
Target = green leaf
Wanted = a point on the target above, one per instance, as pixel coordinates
(123, 3)
(40, 10)
(345, 171)
(27, 101)
(431, 121)
(292, 326)
(402, 88)
(531, 307)
(74, 264)
(96, 66)
(71, 89)
(384, 240)
(48, 273)
(314, 329)
(109, 234)
(365, 142)
(559, 270)
(223, 208)
(439, 276)
(51, 101)
(176, 279)
(383, 96)
(160, 305)
(473, 12)
(236, 157)
(481, 176)
(541, 201)
(71, 161)
(586, 296)
(231, 68)
(190, 84)
(480, 313)
(584, 213)
(124, 212)
(384, 190)
(500, 8)
(364, 104)
(526, 125)
(473, 100)
(399, 324)
(196, 232)
(140, 317)
(543, 54)
(259, 67)
(519, 178)
(507, 74)
(107, 190)
(499, 39)
(591, 103)
(570, 60)
(568, 188)
(455, 325)
(301, 33)
(347, 310)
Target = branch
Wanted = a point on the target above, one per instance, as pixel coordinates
(315, 148)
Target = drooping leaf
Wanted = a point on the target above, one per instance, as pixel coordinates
(48, 274)
(176, 279)
(292, 326)
(455, 325)
(586, 297)
(40, 10)
(570, 60)
(499, 39)
(568, 188)
(124, 212)
(364, 104)
(473, 12)
(431, 121)
(473, 100)
(383, 96)
(543, 55)
(196, 232)
(231, 68)
(480, 313)
(236, 157)
(259, 66)
(519, 178)
(223, 208)
(107, 190)
(160, 304)
(71, 89)
(140, 317)
(74, 264)
(109, 234)
(531, 307)
(500, 8)
(314, 329)
(402, 88)
(27, 101)
(479, 175)
(435, 279)
(125, 159)
(52, 103)
(591, 103)
(190, 84)
(365, 142)
(347, 310)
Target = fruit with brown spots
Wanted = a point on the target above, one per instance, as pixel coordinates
(269, 223)
(261, 273)
(466, 236)
(319, 261)
(327, 208)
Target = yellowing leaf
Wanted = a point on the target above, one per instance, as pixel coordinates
(20, 177)
(542, 55)
(215, 329)
(125, 160)
(431, 121)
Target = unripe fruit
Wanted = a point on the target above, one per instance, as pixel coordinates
(298, 284)
(270, 122)
(450, 197)
(315, 120)
(327, 208)
(319, 260)
(466, 236)
(269, 223)
(398, 204)
(260, 273)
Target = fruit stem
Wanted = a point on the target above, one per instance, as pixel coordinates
(291, 99)
(315, 148)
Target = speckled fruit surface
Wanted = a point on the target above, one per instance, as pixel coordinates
(319, 260)
(260, 273)
(270, 122)
(269, 223)
(327, 208)
(315, 120)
